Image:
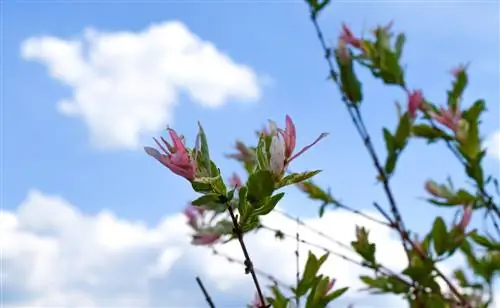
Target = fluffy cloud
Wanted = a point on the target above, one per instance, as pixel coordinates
(493, 145)
(126, 84)
(54, 255)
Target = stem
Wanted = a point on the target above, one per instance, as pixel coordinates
(248, 262)
(207, 296)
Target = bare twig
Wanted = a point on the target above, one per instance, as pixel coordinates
(207, 296)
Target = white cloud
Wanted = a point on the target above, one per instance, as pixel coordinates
(493, 145)
(126, 84)
(54, 255)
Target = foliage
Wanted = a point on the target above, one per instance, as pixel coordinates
(237, 208)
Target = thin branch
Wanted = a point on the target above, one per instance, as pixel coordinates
(248, 262)
(207, 296)
(359, 124)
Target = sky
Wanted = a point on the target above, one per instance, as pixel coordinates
(89, 220)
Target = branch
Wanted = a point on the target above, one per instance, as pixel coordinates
(207, 296)
(248, 262)
(357, 119)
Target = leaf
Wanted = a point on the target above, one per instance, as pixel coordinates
(317, 5)
(439, 236)
(295, 178)
(403, 131)
(390, 163)
(484, 241)
(244, 207)
(389, 141)
(269, 205)
(458, 88)
(474, 112)
(351, 86)
(260, 186)
(430, 133)
(201, 187)
(223, 227)
(204, 148)
(460, 276)
(400, 41)
(335, 294)
(206, 199)
(310, 271)
(262, 153)
(279, 300)
(470, 144)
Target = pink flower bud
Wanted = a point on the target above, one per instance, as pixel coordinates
(466, 217)
(331, 284)
(205, 238)
(349, 38)
(192, 215)
(415, 100)
(447, 117)
(277, 155)
(236, 181)
(176, 157)
(457, 70)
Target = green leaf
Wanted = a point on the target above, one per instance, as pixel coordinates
(269, 205)
(470, 141)
(310, 271)
(262, 153)
(295, 178)
(430, 133)
(460, 276)
(335, 294)
(223, 227)
(244, 208)
(484, 241)
(400, 41)
(206, 199)
(474, 112)
(279, 300)
(351, 86)
(457, 89)
(260, 186)
(317, 5)
(389, 141)
(439, 236)
(403, 131)
(204, 149)
(390, 163)
(201, 187)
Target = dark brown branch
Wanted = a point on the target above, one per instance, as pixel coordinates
(207, 296)
(248, 262)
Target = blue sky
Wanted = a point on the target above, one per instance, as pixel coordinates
(47, 150)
